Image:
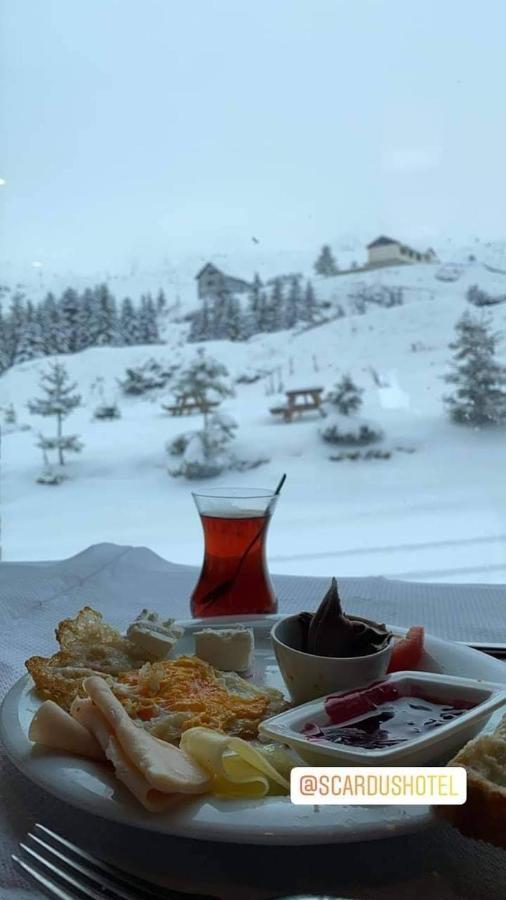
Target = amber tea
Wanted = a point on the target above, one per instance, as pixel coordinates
(234, 579)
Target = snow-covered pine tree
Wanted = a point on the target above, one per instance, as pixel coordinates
(201, 325)
(4, 343)
(69, 309)
(129, 323)
(148, 326)
(479, 397)
(87, 325)
(204, 453)
(254, 294)
(50, 324)
(346, 396)
(308, 311)
(31, 341)
(326, 264)
(262, 315)
(292, 307)
(205, 379)
(234, 319)
(105, 319)
(273, 312)
(15, 325)
(161, 302)
(59, 401)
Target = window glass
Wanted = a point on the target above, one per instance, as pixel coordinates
(312, 152)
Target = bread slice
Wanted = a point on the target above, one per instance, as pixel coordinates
(483, 815)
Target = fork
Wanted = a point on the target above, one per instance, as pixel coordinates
(65, 871)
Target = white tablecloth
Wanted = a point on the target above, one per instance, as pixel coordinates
(437, 863)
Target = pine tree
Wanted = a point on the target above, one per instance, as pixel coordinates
(161, 302)
(205, 379)
(202, 324)
(326, 264)
(254, 295)
(234, 319)
(4, 343)
(50, 324)
(69, 313)
(16, 323)
(293, 304)
(86, 332)
(59, 401)
(346, 396)
(31, 342)
(273, 312)
(479, 397)
(105, 319)
(308, 312)
(128, 323)
(148, 327)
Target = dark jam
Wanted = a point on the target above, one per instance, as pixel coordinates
(382, 717)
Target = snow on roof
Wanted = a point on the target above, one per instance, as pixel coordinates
(206, 268)
(382, 241)
(209, 266)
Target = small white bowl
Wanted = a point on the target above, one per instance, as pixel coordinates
(308, 676)
(437, 745)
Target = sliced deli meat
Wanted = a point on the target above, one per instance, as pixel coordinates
(53, 727)
(164, 766)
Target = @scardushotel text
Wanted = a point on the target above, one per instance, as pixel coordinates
(379, 785)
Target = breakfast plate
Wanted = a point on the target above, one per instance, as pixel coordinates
(92, 787)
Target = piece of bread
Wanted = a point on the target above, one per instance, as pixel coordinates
(483, 815)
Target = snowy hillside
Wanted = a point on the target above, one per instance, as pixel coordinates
(177, 277)
(435, 510)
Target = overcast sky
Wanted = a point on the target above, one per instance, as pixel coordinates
(137, 129)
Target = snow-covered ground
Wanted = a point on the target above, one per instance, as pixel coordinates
(438, 513)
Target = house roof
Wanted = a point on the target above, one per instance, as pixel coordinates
(208, 266)
(382, 241)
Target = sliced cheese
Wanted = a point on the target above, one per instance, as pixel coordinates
(238, 769)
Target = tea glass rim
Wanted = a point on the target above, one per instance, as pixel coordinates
(235, 493)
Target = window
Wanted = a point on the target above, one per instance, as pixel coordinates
(140, 145)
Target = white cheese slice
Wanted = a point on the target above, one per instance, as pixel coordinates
(152, 636)
(228, 649)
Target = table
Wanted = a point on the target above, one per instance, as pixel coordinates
(438, 864)
(188, 403)
(300, 400)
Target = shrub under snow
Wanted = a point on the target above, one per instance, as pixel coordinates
(207, 452)
(204, 453)
(352, 430)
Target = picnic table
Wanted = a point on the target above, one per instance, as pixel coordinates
(188, 403)
(298, 401)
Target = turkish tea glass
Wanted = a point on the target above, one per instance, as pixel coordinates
(234, 579)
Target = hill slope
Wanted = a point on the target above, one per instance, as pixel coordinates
(435, 513)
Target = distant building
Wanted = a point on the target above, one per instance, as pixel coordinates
(385, 251)
(212, 282)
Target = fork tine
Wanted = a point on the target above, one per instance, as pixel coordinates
(99, 879)
(79, 889)
(54, 889)
(118, 876)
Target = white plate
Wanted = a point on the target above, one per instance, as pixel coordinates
(90, 786)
